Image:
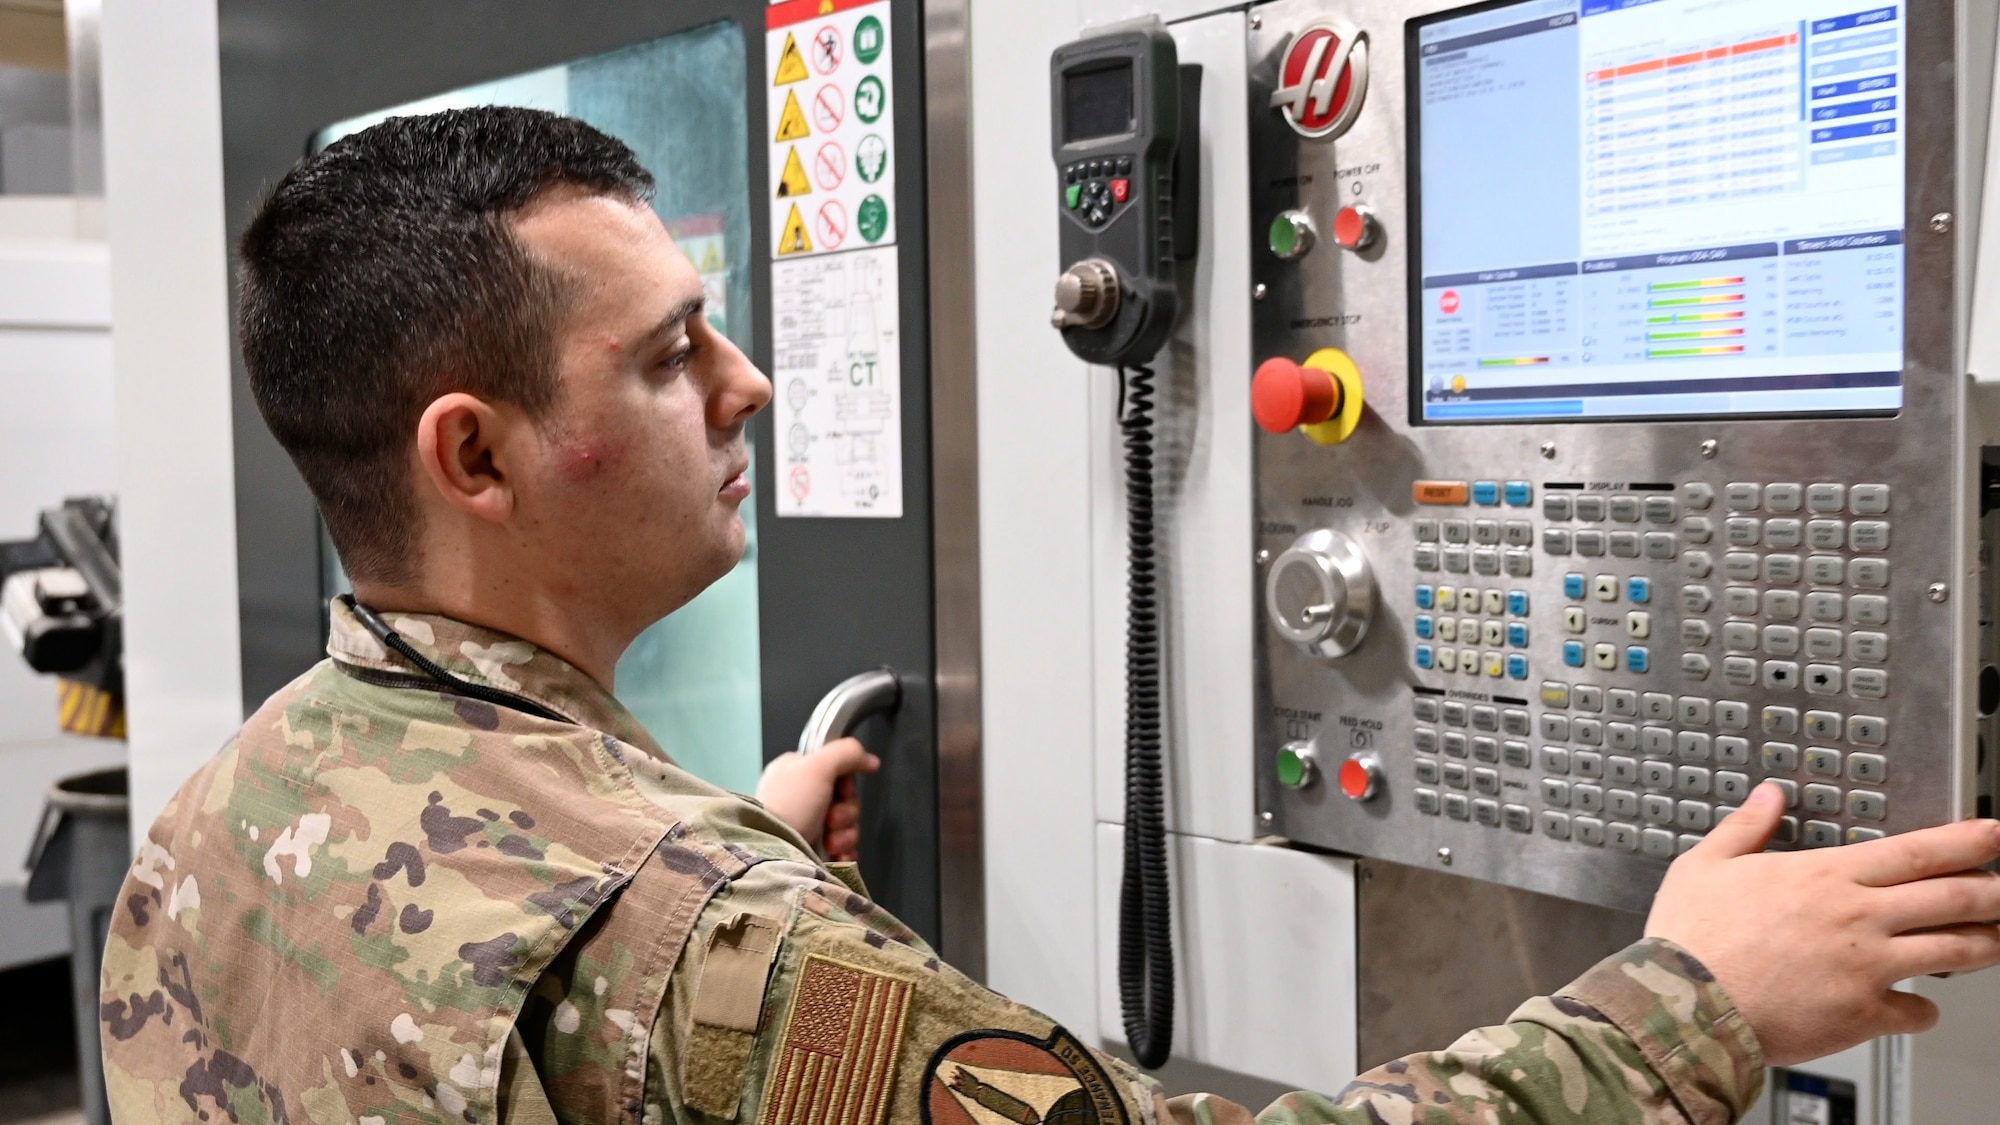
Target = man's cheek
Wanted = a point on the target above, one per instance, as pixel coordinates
(581, 459)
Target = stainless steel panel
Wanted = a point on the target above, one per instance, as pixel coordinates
(1359, 303)
(1495, 946)
(955, 487)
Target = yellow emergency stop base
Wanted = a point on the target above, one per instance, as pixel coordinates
(1341, 426)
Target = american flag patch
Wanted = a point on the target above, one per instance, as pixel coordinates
(838, 1056)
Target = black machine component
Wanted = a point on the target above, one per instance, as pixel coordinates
(62, 594)
(1126, 136)
(1126, 139)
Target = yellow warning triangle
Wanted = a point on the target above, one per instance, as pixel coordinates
(791, 64)
(795, 239)
(711, 262)
(792, 122)
(793, 182)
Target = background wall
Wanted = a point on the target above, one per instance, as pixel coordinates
(163, 173)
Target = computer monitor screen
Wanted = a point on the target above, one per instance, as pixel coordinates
(1657, 208)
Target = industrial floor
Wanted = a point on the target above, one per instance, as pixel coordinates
(38, 1047)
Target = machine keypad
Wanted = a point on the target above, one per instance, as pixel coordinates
(1782, 614)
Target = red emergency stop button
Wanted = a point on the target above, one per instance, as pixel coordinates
(1285, 395)
(1361, 777)
(1355, 228)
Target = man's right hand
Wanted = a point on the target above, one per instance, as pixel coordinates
(1808, 944)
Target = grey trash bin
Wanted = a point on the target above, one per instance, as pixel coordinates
(81, 854)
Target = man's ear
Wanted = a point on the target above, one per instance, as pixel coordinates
(461, 452)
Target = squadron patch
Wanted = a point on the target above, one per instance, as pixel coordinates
(1003, 1078)
(837, 1061)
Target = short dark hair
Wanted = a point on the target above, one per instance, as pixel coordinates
(382, 272)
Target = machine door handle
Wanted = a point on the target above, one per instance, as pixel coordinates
(854, 699)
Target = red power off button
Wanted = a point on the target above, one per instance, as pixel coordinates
(1355, 228)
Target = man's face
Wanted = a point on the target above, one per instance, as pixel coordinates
(631, 495)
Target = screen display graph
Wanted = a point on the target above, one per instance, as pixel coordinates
(1631, 208)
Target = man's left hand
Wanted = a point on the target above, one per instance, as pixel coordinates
(815, 794)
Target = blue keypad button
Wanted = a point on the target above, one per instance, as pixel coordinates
(1517, 634)
(1426, 597)
(1520, 494)
(1639, 590)
(1638, 659)
(1424, 656)
(1486, 492)
(1517, 666)
(1573, 653)
(1424, 626)
(1517, 603)
(1573, 586)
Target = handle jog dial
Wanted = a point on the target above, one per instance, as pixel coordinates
(1320, 594)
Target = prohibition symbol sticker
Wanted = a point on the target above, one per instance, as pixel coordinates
(831, 224)
(830, 166)
(829, 108)
(868, 39)
(870, 99)
(826, 50)
(871, 158)
(872, 218)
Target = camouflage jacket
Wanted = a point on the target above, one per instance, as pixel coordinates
(383, 903)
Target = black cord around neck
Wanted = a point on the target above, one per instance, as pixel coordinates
(391, 639)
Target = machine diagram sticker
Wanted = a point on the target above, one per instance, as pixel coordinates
(837, 373)
(831, 124)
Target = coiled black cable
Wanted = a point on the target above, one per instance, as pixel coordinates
(1145, 916)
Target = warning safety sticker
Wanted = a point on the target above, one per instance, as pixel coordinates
(831, 124)
(837, 347)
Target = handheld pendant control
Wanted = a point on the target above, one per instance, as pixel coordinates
(1125, 141)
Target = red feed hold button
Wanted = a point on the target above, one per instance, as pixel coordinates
(1360, 777)
(1285, 395)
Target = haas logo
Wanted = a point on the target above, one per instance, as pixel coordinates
(1324, 79)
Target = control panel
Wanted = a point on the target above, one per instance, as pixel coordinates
(1614, 457)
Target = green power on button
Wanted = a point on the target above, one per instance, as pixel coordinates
(1073, 196)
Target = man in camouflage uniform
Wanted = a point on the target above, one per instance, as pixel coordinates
(444, 876)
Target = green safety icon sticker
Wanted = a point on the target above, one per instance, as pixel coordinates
(870, 99)
(872, 218)
(871, 158)
(868, 39)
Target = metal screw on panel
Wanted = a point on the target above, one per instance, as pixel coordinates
(1444, 856)
(1256, 22)
(1941, 223)
(1710, 448)
(1260, 291)
(1548, 451)
(1938, 592)
(1263, 558)
(1265, 818)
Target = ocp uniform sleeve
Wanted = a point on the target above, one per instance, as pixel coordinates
(1647, 1037)
(862, 1024)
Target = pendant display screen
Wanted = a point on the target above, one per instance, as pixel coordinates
(1097, 103)
(1657, 208)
